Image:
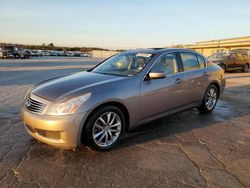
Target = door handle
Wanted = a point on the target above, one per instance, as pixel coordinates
(205, 74)
(178, 81)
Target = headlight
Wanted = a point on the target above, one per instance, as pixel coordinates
(67, 107)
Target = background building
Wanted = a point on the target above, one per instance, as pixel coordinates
(222, 45)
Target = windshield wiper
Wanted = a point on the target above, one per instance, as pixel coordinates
(111, 74)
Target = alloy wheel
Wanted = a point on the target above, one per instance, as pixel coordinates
(106, 129)
(211, 98)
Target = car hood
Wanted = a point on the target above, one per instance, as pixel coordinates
(60, 88)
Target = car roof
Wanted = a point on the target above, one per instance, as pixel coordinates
(159, 51)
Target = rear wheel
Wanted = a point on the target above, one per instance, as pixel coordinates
(210, 99)
(245, 68)
(104, 128)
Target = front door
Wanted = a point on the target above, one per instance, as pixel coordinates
(159, 95)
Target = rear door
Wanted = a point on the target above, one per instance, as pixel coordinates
(195, 75)
(231, 61)
(240, 61)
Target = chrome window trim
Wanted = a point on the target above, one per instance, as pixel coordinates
(180, 71)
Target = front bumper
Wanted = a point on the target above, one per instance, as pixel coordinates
(223, 85)
(59, 131)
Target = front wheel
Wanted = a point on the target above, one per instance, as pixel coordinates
(224, 67)
(210, 99)
(104, 128)
(245, 68)
(17, 56)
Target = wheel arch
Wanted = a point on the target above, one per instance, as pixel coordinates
(117, 104)
(224, 64)
(216, 84)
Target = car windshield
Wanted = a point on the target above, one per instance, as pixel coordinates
(128, 64)
(220, 55)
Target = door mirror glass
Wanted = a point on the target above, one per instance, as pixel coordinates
(156, 75)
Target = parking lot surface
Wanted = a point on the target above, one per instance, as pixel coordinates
(186, 149)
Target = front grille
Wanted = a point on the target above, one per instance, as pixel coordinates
(34, 105)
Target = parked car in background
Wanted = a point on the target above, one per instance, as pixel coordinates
(231, 61)
(10, 51)
(53, 53)
(70, 54)
(97, 106)
(244, 51)
(32, 53)
(85, 55)
(6, 52)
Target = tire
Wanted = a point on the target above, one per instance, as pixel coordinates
(100, 135)
(224, 67)
(211, 95)
(245, 68)
(17, 56)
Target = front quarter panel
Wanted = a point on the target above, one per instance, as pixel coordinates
(125, 92)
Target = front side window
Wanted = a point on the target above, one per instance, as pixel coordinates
(166, 64)
(190, 61)
(128, 64)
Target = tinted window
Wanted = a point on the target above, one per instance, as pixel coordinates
(166, 64)
(201, 61)
(190, 61)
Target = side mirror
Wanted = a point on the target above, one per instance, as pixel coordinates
(156, 75)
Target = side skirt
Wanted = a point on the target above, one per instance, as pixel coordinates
(166, 113)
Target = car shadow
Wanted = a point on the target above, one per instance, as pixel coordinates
(187, 121)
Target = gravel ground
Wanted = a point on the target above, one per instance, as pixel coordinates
(186, 149)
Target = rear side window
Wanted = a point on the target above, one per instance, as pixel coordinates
(201, 61)
(190, 61)
(238, 55)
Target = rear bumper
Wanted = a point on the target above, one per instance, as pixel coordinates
(59, 131)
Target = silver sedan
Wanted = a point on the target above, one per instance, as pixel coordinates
(97, 106)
